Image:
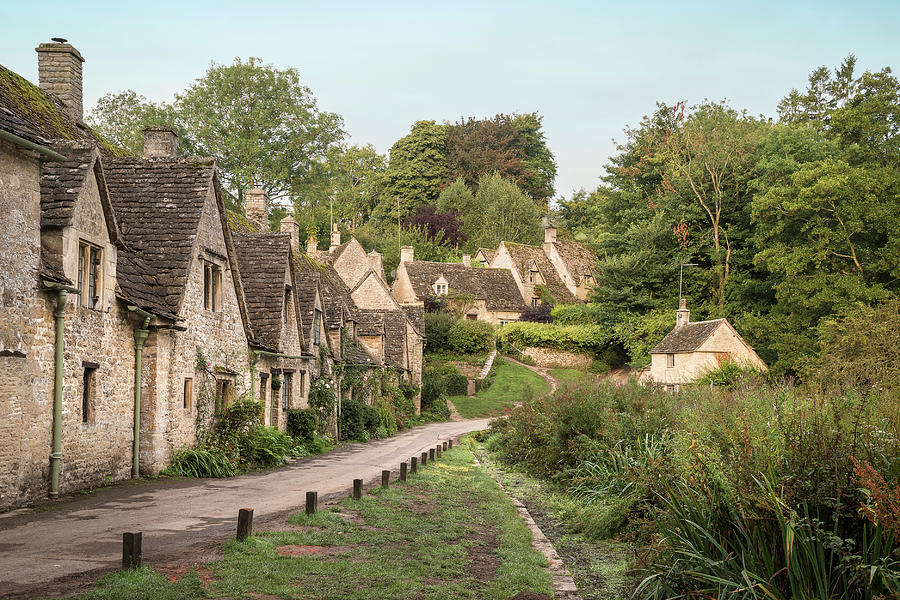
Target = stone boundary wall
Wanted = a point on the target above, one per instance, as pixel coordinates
(551, 358)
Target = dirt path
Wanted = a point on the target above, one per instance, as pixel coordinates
(80, 537)
(543, 372)
(455, 417)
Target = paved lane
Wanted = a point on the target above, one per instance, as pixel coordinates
(84, 534)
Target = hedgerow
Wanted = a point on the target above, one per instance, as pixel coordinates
(572, 338)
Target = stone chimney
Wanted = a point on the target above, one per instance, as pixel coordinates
(375, 262)
(256, 207)
(682, 315)
(549, 236)
(407, 254)
(289, 225)
(467, 260)
(312, 245)
(59, 72)
(160, 142)
(335, 237)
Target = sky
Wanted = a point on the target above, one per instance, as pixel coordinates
(591, 69)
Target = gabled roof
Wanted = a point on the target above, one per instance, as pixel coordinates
(495, 286)
(487, 252)
(263, 260)
(416, 315)
(63, 182)
(688, 337)
(391, 323)
(577, 258)
(307, 286)
(370, 322)
(52, 269)
(358, 354)
(158, 203)
(523, 256)
(31, 113)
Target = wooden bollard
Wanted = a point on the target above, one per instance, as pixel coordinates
(245, 524)
(424, 458)
(403, 471)
(312, 502)
(385, 478)
(437, 451)
(357, 489)
(131, 550)
(431, 454)
(413, 465)
(450, 444)
(445, 446)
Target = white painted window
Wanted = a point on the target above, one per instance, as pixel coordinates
(440, 289)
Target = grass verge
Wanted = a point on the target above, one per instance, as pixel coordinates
(512, 384)
(449, 532)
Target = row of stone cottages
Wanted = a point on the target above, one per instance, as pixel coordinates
(129, 307)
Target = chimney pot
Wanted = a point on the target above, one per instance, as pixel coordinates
(376, 263)
(682, 315)
(407, 254)
(59, 73)
(160, 142)
(256, 207)
(312, 245)
(335, 237)
(467, 260)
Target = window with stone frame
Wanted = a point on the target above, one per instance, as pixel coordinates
(535, 302)
(532, 276)
(90, 274)
(188, 399)
(317, 326)
(440, 289)
(263, 387)
(224, 393)
(287, 303)
(286, 390)
(670, 361)
(212, 286)
(88, 390)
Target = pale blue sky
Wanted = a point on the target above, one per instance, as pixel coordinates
(590, 68)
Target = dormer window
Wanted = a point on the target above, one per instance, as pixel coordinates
(440, 289)
(532, 276)
(90, 275)
(212, 286)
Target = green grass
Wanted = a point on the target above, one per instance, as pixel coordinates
(566, 377)
(450, 532)
(512, 383)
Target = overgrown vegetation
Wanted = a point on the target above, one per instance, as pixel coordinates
(744, 491)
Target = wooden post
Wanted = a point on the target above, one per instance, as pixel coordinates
(403, 471)
(413, 464)
(357, 489)
(385, 478)
(424, 458)
(431, 454)
(437, 451)
(131, 550)
(450, 444)
(445, 446)
(245, 524)
(312, 502)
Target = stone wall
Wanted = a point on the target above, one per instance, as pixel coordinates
(551, 358)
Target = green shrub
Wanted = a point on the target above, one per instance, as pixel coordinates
(579, 314)
(202, 462)
(267, 446)
(358, 420)
(729, 374)
(302, 424)
(470, 337)
(435, 376)
(437, 330)
(592, 339)
(239, 419)
(457, 384)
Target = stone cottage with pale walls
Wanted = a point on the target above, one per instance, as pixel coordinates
(492, 293)
(691, 350)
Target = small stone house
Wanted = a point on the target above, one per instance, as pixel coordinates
(691, 350)
(531, 270)
(574, 263)
(494, 296)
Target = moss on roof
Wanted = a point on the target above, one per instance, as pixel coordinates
(240, 223)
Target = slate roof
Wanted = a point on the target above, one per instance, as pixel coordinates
(495, 286)
(370, 322)
(687, 338)
(578, 259)
(339, 305)
(37, 116)
(52, 269)
(306, 285)
(416, 315)
(356, 353)
(158, 203)
(263, 261)
(393, 324)
(522, 256)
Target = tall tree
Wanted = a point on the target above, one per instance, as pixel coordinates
(120, 118)
(501, 212)
(416, 172)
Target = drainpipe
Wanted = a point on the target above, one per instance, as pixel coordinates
(140, 335)
(59, 320)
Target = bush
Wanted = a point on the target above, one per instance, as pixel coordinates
(437, 330)
(537, 314)
(457, 384)
(470, 337)
(358, 420)
(729, 374)
(579, 314)
(592, 339)
(302, 424)
(202, 462)
(269, 447)
(239, 419)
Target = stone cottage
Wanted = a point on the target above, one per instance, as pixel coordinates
(532, 271)
(489, 294)
(691, 350)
